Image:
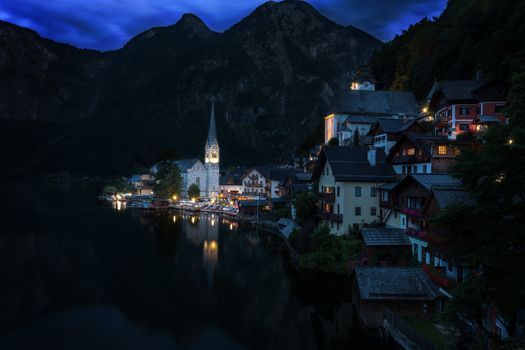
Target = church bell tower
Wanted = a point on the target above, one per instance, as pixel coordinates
(211, 157)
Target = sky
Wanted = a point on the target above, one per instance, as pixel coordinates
(109, 24)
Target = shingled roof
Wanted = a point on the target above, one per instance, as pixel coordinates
(395, 126)
(350, 164)
(394, 284)
(383, 103)
(456, 89)
(185, 164)
(423, 142)
(438, 181)
(384, 237)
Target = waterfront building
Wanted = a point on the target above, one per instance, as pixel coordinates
(386, 132)
(254, 182)
(348, 178)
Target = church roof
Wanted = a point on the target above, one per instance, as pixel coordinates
(380, 103)
(185, 164)
(212, 133)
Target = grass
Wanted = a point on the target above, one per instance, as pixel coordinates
(428, 329)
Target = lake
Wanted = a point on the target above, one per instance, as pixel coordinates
(77, 274)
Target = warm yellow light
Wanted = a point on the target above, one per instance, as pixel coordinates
(425, 109)
(193, 199)
(193, 219)
(231, 203)
(231, 227)
(511, 141)
(329, 116)
(212, 222)
(174, 218)
(213, 245)
(174, 197)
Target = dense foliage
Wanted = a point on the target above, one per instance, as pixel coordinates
(306, 206)
(169, 181)
(194, 191)
(470, 36)
(494, 238)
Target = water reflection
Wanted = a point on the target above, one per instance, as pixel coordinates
(199, 280)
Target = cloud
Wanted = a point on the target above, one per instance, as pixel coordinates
(109, 24)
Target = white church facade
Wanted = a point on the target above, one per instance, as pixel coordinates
(194, 171)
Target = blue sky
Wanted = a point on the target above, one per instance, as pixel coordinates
(108, 24)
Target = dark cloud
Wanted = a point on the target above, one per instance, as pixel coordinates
(108, 24)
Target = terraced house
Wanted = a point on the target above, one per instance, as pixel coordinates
(348, 178)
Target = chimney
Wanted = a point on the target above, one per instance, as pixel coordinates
(372, 156)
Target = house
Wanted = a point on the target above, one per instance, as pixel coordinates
(386, 132)
(275, 179)
(356, 109)
(297, 183)
(406, 291)
(254, 182)
(412, 203)
(423, 154)
(348, 178)
(230, 183)
(252, 207)
(385, 246)
(457, 104)
(143, 184)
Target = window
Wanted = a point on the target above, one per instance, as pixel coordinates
(198, 181)
(373, 211)
(338, 212)
(373, 191)
(425, 169)
(358, 191)
(464, 111)
(442, 150)
(463, 127)
(357, 211)
(214, 155)
(384, 196)
(338, 191)
(411, 151)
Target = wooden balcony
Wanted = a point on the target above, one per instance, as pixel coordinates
(324, 215)
(326, 197)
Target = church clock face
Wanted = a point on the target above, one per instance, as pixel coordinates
(366, 84)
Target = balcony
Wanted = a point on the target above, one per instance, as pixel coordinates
(326, 197)
(324, 215)
(438, 276)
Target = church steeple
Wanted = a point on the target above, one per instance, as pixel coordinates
(212, 132)
(212, 144)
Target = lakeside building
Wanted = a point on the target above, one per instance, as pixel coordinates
(386, 132)
(348, 178)
(461, 106)
(358, 108)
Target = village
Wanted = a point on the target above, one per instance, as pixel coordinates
(383, 172)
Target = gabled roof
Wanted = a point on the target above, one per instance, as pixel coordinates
(455, 89)
(423, 142)
(382, 103)
(384, 237)
(446, 197)
(363, 74)
(394, 283)
(185, 164)
(351, 164)
(280, 174)
(437, 181)
(394, 126)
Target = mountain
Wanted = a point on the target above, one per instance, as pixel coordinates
(273, 75)
(469, 36)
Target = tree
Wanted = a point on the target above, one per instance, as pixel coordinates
(356, 140)
(306, 205)
(334, 141)
(169, 181)
(194, 191)
(494, 238)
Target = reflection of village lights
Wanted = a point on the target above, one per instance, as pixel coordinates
(193, 199)
(212, 222)
(499, 178)
(213, 245)
(231, 227)
(193, 219)
(174, 218)
(231, 203)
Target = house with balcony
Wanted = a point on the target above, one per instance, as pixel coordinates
(461, 106)
(230, 183)
(424, 154)
(411, 204)
(254, 182)
(348, 178)
(386, 132)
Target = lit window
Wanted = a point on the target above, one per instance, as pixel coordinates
(411, 151)
(442, 150)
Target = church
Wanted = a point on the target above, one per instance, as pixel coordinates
(194, 171)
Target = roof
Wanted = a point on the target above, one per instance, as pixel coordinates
(363, 74)
(212, 132)
(438, 181)
(446, 197)
(350, 164)
(376, 102)
(303, 177)
(185, 164)
(388, 186)
(456, 89)
(395, 126)
(394, 283)
(280, 174)
(421, 141)
(134, 178)
(384, 237)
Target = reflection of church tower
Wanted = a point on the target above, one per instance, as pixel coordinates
(211, 158)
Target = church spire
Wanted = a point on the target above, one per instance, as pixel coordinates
(212, 133)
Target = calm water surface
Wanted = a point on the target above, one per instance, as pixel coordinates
(75, 274)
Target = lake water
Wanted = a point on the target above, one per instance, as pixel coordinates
(76, 274)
